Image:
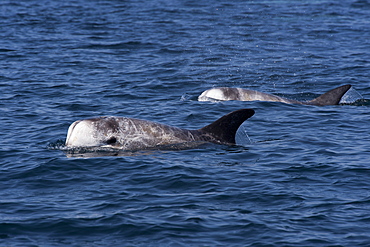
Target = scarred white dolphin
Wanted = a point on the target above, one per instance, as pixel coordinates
(135, 134)
(331, 97)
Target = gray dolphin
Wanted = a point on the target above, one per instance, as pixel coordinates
(331, 97)
(135, 134)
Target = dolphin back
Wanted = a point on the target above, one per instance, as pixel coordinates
(224, 129)
(331, 97)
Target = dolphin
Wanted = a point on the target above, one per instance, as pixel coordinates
(134, 134)
(331, 97)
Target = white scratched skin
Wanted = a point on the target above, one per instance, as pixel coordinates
(251, 95)
(141, 134)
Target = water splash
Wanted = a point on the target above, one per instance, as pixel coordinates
(351, 96)
(242, 137)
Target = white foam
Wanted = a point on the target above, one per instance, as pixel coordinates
(351, 96)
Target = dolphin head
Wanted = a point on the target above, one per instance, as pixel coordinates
(92, 132)
(220, 93)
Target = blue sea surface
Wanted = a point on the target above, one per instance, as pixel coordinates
(299, 176)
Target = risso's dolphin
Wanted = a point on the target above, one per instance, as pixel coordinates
(332, 97)
(135, 134)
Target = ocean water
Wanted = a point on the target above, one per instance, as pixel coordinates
(299, 176)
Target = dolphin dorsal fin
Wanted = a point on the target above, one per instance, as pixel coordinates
(332, 97)
(224, 129)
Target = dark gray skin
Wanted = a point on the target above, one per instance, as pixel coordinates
(135, 134)
(331, 97)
